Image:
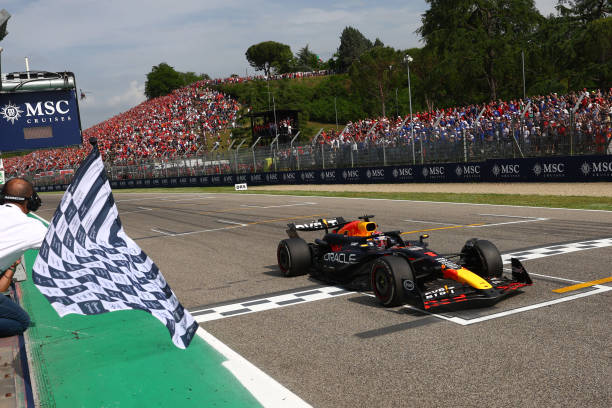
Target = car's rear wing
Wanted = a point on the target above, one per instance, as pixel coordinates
(315, 225)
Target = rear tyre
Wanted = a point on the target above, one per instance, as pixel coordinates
(387, 276)
(293, 256)
(483, 258)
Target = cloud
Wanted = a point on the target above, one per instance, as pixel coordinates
(131, 97)
(109, 44)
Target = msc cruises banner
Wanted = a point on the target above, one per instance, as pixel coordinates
(535, 169)
(35, 120)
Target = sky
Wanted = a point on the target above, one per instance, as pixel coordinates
(111, 45)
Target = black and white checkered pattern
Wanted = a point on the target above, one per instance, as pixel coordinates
(327, 292)
(557, 249)
(269, 303)
(88, 265)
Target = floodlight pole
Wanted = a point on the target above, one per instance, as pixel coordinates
(523, 60)
(408, 60)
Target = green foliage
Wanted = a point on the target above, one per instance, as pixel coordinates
(352, 45)
(307, 60)
(374, 74)
(270, 56)
(480, 41)
(163, 79)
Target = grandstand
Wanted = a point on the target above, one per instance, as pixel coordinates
(160, 135)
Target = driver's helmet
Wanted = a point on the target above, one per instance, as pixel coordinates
(380, 240)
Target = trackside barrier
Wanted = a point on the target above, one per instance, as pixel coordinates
(535, 169)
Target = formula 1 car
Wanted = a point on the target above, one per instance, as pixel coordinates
(398, 271)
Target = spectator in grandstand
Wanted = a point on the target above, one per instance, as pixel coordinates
(19, 233)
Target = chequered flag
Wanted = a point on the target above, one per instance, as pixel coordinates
(88, 265)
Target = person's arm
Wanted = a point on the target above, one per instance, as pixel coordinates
(7, 276)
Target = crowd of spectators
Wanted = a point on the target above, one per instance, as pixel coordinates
(235, 79)
(536, 125)
(178, 124)
(173, 125)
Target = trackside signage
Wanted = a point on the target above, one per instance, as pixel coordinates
(42, 119)
(535, 169)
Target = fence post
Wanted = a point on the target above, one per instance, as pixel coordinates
(323, 156)
(384, 154)
(464, 148)
(253, 150)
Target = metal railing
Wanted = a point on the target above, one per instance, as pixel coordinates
(432, 145)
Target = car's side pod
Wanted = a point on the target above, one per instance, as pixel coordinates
(519, 273)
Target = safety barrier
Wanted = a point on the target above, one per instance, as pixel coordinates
(535, 169)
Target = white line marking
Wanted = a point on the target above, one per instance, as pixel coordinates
(432, 222)
(243, 308)
(263, 387)
(162, 232)
(206, 230)
(464, 322)
(434, 202)
(142, 209)
(506, 223)
(232, 222)
(274, 302)
(508, 216)
(277, 206)
(160, 198)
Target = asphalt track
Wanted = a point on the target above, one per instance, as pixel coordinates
(539, 348)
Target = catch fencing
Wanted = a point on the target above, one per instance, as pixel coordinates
(377, 149)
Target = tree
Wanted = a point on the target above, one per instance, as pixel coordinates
(480, 39)
(162, 80)
(352, 45)
(307, 60)
(269, 55)
(375, 72)
(585, 10)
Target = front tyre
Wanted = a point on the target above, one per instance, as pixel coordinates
(483, 258)
(293, 256)
(387, 275)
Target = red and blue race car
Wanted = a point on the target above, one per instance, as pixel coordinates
(358, 255)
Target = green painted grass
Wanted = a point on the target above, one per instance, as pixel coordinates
(531, 200)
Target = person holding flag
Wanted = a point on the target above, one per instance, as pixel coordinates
(18, 234)
(87, 264)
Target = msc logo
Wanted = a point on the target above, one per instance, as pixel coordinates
(308, 175)
(350, 174)
(241, 179)
(596, 167)
(36, 113)
(272, 177)
(548, 168)
(433, 171)
(11, 112)
(328, 174)
(402, 172)
(256, 177)
(215, 179)
(470, 170)
(506, 169)
(289, 176)
(375, 173)
(227, 179)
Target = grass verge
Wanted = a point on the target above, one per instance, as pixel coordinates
(531, 200)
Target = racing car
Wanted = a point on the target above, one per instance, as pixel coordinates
(357, 254)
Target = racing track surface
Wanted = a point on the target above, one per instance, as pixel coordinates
(338, 349)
